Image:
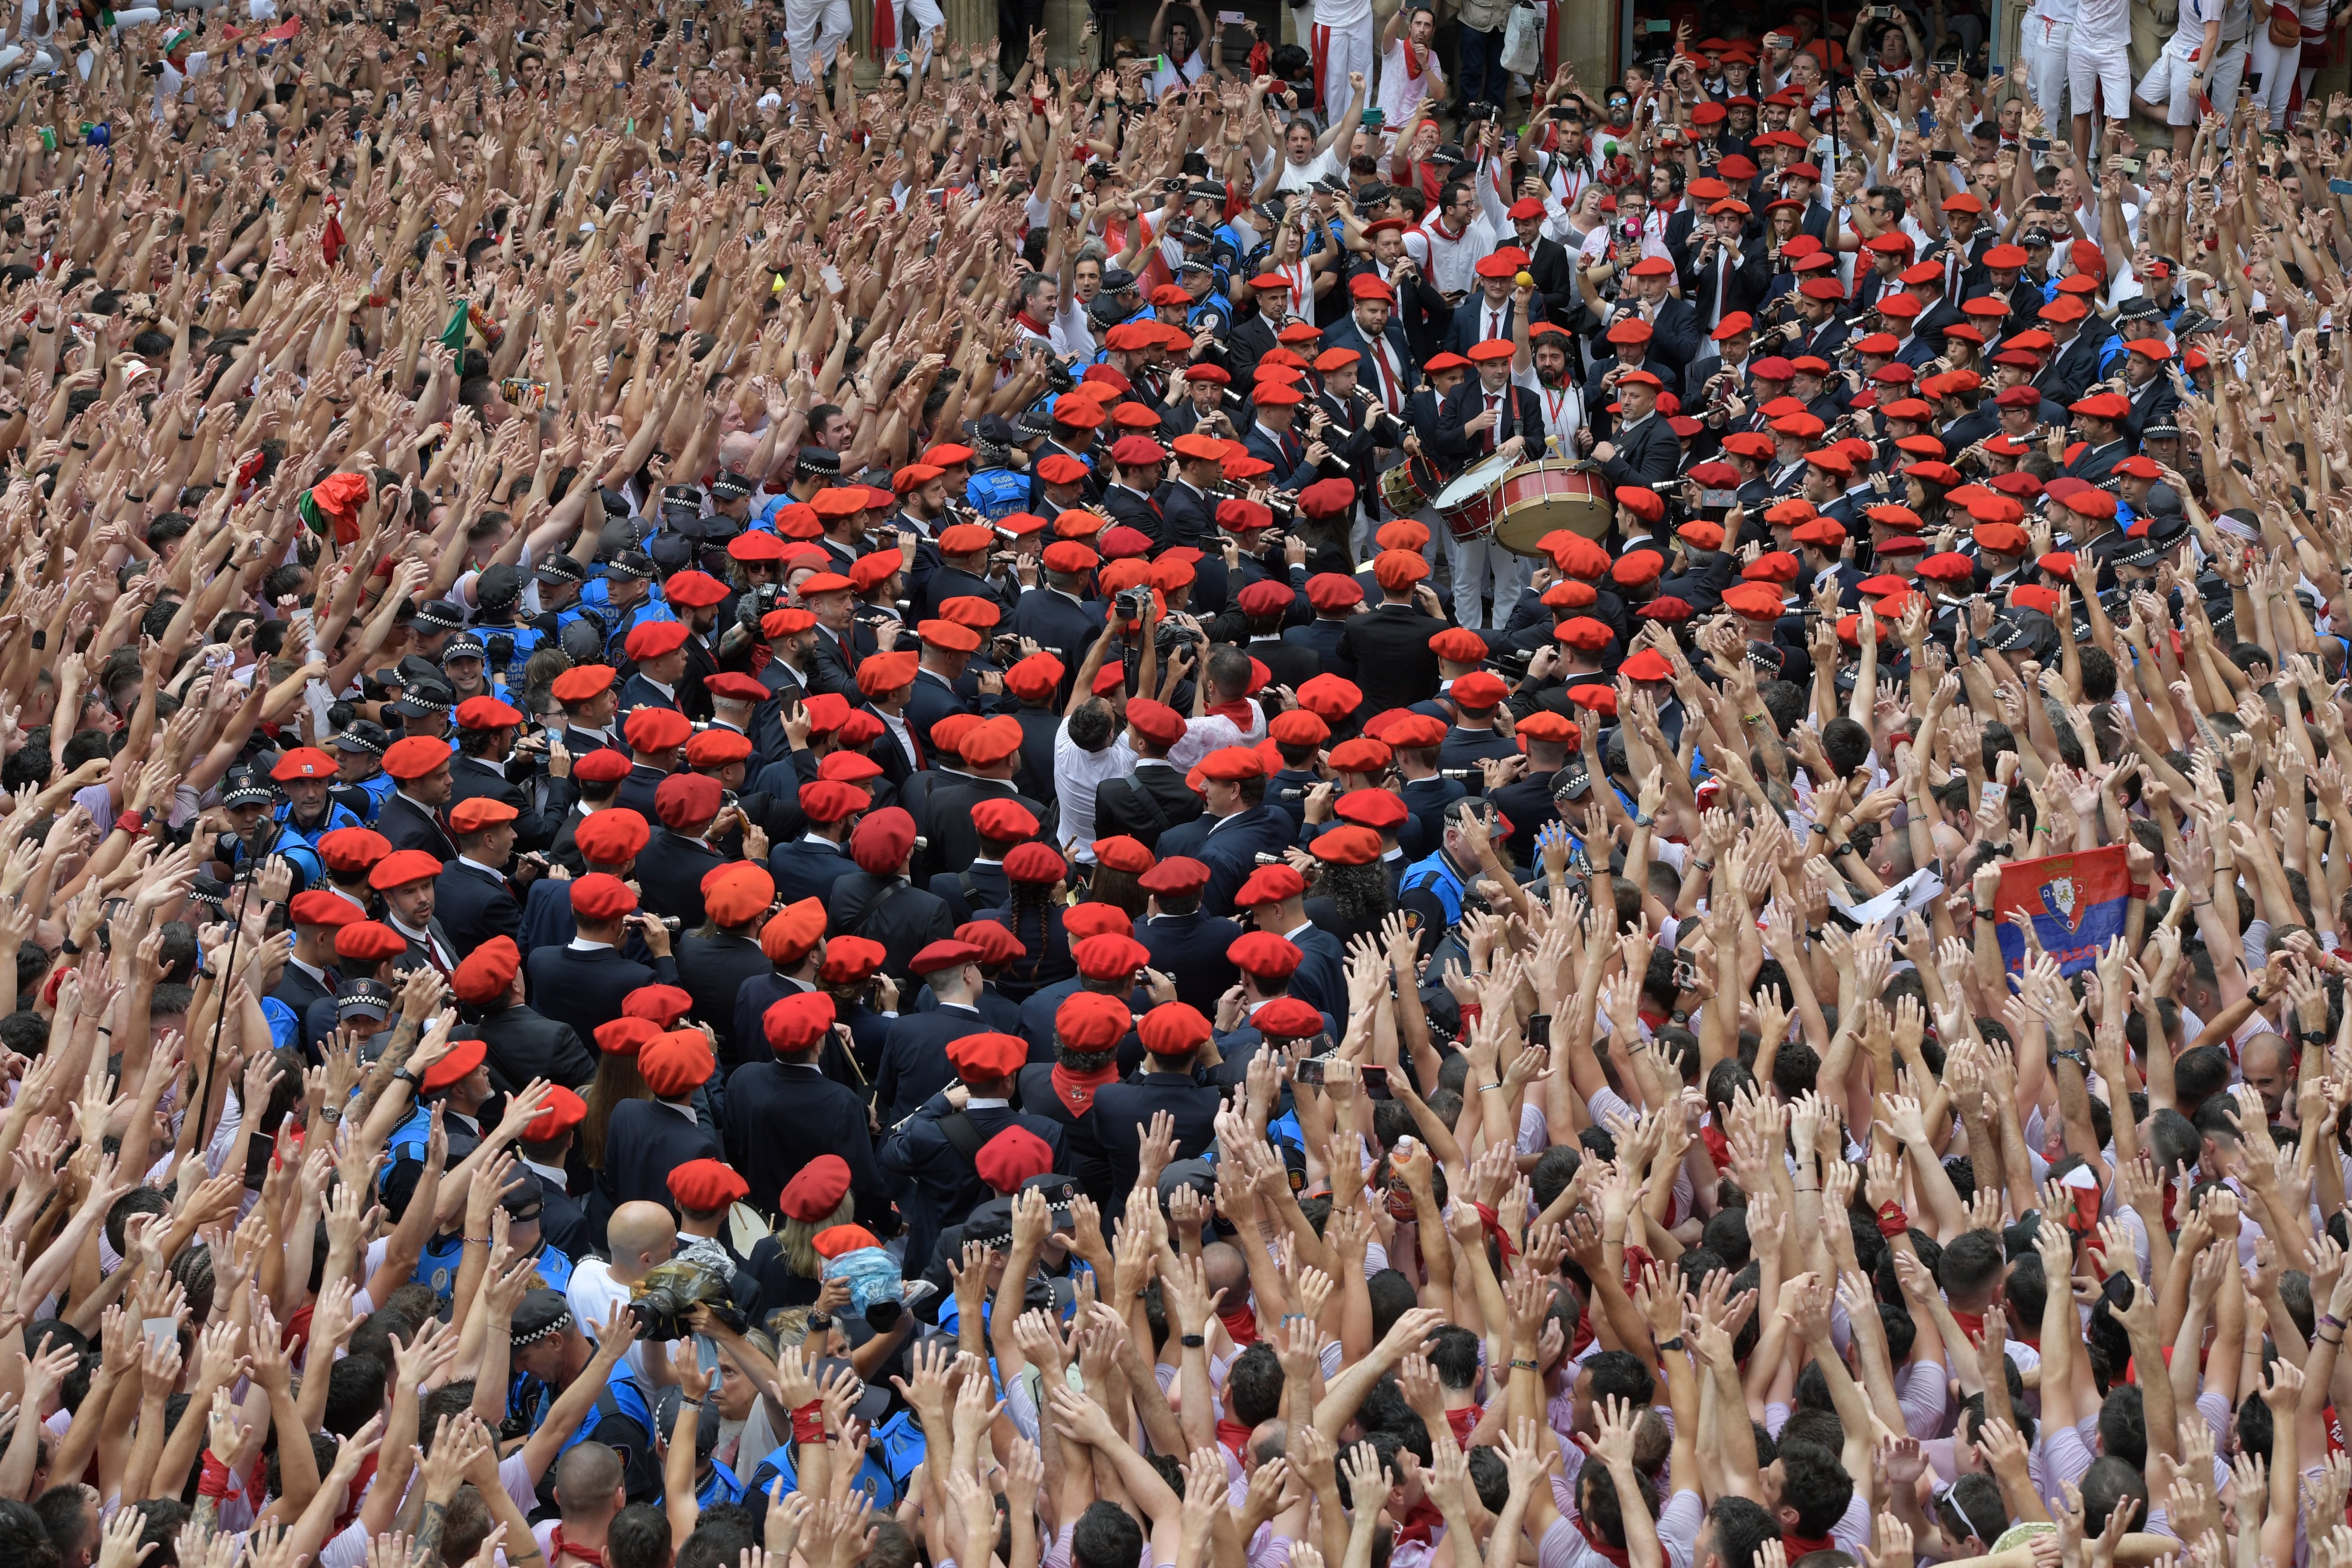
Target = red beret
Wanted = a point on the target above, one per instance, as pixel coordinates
(715, 748)
(564, 1111)
(882, 841)
(1375, 808)
(1286, 1018)
(986, 1057)
(1174, 1029)
(685, 800)
(464, 1057)
(320, 908)
(652, 639)
(829, 801)
(1270, 885)
(625, 1035)
(657, 730)
(1264, 954)
(400, 867)
(369, 941)
(413, 756)
(946, 953)
(1178, 876)
(661, 1006)
(600, 898)
(1090, 1021)
(797, 1022)
(851, 961)
(1006, 821)
(703, 1185)
(1155, 722)
(605, 764)
(487, 972)
(478, 812)
(1011, 1158)
(996, 943)
(583, 683)
(353, 849)
(1110, 956)
(611, 837)
(792, 931)
(1348, 845)
(993, 740)
(1121, 853)
(304, 762)
(484, 713)
(817, 1189)
(1036, 863)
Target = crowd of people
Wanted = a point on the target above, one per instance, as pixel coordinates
(1348, 808)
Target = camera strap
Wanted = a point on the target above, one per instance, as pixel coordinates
(963, 1136)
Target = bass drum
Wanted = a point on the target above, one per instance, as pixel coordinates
(1411, 486)
(1540, 498)
(1468, 504)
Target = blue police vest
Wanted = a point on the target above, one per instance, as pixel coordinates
(552, 1266)
(1437, 874)
(624, 1396)
(997, 493)
(521, 642)
(337, 816)
(297, 853)
(723, 1487)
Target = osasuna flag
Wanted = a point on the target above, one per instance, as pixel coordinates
(2077, 903)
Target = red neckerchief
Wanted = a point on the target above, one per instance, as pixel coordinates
(1077, 1089)
(1413, 66)
(1233, 1434)
(1023, 318)
(1238, 710)
(1494, 1226)
(1422, 1523)
(1971, 1324)
(557, 1547)
(1241, 1323)
(1718, 1147)
(1463, 1421)
(1798, 1545)
(1616, 1554)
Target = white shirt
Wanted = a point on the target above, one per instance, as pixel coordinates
(1449, 260)
(1302, 176)
(1077, 774)
(1399, 92)
(592, 1294)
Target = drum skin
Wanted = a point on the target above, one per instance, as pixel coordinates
(1468, 504)
(1535, 499)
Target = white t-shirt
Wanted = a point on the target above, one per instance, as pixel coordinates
(1302, 176)
(2102, 25)
(1169, 74)
(592, 1294)
(1399, 92)
(1076, 773)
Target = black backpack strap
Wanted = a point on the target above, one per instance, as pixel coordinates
(962, 1135)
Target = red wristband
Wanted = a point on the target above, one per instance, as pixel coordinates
(808, 1422)
(216, 1481)
(1892, 1220)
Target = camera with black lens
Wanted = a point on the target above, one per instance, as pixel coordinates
(1134, 604)
(1168, 636)
(665, 1298)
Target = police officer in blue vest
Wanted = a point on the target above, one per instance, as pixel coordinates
(1437, 888)
(305, 776)
(362, 786)
(255, 832)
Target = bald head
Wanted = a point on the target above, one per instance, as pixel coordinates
(588, 1483)
(1227, 1269)
(641, 1234)
(2266, 1064)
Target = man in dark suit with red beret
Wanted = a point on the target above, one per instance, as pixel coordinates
(934, 1153)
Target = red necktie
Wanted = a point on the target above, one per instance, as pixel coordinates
(1491, 401)
(1387, 376)
(1494, 323)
